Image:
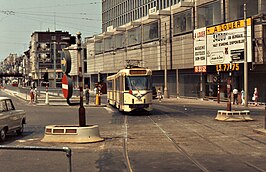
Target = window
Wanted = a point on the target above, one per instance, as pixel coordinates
(3, 106)
(110, 85)
(108, 44)
(150, 31)
(182, 22)
(85, 67)
(209, 14)
(53, 38)
(236, 8)
(9, 105)
(119, 41)
(134, 36)
(98, 47)
(138, 83)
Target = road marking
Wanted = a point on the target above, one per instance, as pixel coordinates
(109, 110)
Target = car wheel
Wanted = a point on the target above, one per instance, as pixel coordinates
(2, 135)
(20, 130)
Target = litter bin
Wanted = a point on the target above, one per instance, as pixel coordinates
(98, 99)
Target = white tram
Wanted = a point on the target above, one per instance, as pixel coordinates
(130, 89)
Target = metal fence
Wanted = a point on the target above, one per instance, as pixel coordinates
(67, 150)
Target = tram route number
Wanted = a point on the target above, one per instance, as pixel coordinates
(226, 67)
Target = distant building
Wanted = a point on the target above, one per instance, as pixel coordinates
(43, 55)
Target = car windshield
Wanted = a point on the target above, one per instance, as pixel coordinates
(138, 83)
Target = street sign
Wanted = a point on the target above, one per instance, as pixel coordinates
(66, 62)
(67, 86)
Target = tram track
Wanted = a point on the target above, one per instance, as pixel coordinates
(198, 164)
(180, 149)
(125, 142)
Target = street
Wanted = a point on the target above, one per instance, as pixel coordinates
(179, 135)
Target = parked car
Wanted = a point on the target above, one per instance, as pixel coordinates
(10, 119)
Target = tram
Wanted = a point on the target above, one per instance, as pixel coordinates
(130, 89)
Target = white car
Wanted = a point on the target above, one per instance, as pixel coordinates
(10, 118)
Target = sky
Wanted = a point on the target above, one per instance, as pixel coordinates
(20, 18)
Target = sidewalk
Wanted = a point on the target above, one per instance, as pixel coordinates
(54, 99)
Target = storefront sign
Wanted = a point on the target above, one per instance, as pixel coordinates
(200, 47)
(225, 43)
(200, 69)
(226, 67)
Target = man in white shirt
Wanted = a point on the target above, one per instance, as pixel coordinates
(235, 93)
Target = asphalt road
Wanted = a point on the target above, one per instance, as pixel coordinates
(179, 135)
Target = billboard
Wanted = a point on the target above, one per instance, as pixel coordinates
(225, 42)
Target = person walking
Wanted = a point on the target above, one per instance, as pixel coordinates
(255, 96)
(159, 94)
(242, 97)
(35, 95)
(87, 94)
(235, 93)
(31, 95)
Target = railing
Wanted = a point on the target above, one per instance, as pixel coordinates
(67, 150)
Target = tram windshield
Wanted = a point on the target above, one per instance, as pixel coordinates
(138, 83)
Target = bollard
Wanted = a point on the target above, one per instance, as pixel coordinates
(98, 99)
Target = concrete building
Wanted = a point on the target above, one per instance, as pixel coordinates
(190, 42)
(45, 48)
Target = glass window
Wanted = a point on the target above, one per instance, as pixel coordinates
(150, 31)
(108, 44)
(110, 85)
(182, 22)
(53, 37)
(134, 36)
(119, 41)
(9, 105)
(98, 47)
(85, 67)
(209, 14)
(117, 83)
(138, 83)
(236, 8)
(3, 106)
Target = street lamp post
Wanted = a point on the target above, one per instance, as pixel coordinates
(245, 57)
(165, 67)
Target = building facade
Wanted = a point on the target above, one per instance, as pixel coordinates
(176, 40)
(45, 54)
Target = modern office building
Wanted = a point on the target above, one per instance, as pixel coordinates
(189, 44)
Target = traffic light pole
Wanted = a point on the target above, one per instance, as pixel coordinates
(82, 116)
(218, 87)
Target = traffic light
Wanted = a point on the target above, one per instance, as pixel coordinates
(44, 49)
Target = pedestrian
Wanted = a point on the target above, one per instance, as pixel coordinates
(159, 94)
(35, 95)
(255, 96)
(31, 95)
(235, 93)
(243, 97)
(87, 94)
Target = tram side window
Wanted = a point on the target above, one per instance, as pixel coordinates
(117, 83)
(110, 85)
